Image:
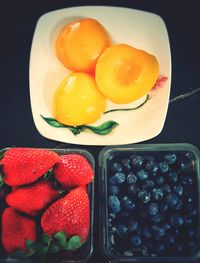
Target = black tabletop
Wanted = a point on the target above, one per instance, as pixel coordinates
(17, 24)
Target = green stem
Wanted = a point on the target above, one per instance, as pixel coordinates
(129, 109)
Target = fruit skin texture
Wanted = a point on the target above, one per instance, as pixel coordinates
(69, 214)
(124, 73)
(22, 166)
(77, 100)
(73, 170)
(33, 198)
(80, 43)
(16, 229)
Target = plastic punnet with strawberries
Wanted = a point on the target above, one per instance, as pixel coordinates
(46, 204)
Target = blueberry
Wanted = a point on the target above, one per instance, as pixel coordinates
(121, 229)
(178, 248)
(166, 225)
(171, 199)
(127, 203)
(158, 231)
(149, 164)
(187, 219)
(178, 205)
(169, 239)
(160, 180)
(133, 190)
(144, 214)
(163, 207)
(131, 178)
(178, 189)
(136, 241)
(186, 180)
(148, 184)
(112, 180)
(132, 225)
(176, 220)
(113, 189)
(156, 218)
(124, 214)
(126, 164)
(119, 177)
(137, 160)
(142, 175)
(112, 216)
(187, 166)
(144, 250)
(170, 158)
(173, 176)
(160, 249)
(146, 233)
(154, 170)
(153, 209)
(166, 188)
(163, 167)
(144, 196)
(157, 193)
(114, 203)
(116, 167)
(190, 232)
(188, 199)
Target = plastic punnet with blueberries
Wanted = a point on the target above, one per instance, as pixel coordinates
(151, 203)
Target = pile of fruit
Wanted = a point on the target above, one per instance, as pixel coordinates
(153, 204)
(101, 70)
(46, 204)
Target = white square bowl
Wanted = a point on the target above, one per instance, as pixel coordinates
(140, 29)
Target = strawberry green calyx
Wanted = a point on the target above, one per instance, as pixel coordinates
(1, 180)
(2, 154)
(71, 244)
(61, 239)
(74, 243)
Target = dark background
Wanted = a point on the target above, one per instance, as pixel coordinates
(17, 24)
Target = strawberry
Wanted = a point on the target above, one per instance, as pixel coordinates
(16, 229)
(69, 214)
(22, 166)
(33, 198)
(73, 170)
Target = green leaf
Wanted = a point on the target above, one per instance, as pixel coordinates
(29, 243)
(74, 130)
(54, 249)
(104, 128)
(74, 243)
(56, 124)
(32, 247)
(53, 122)
(61, 239)
(46, 239)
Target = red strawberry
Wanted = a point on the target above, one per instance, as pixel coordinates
(16, 229)
(33, 198)
(70, 214)
(73, 170)
(25, 165)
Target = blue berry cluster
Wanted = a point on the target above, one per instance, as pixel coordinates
(153, 204)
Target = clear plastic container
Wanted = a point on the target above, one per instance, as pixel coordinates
(110, 243)
(86, 250)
